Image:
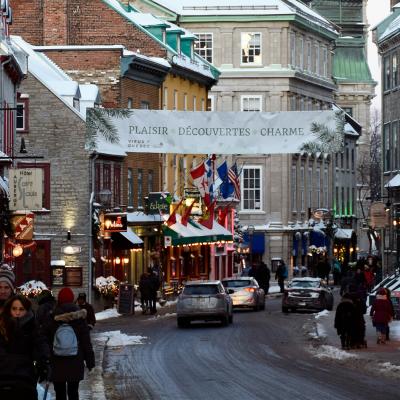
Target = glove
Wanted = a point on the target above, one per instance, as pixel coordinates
(44, 370)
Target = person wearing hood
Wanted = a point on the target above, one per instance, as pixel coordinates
(381, 313)
(344, 317)
(7, 285)
(68, 368)
(21, 347)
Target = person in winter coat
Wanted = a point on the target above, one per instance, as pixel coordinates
(263, 276)
(344, 318)
(47, 304)
(7, 284)
(369, 278)
(358, 335)
(84, 305)
(281, 274)
(381, 313)
(145, 291)
(21, 345)
(388, 294)
(68, 371)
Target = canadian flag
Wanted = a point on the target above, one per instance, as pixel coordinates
(200, 180)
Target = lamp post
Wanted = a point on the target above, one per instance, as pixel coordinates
(250, 233)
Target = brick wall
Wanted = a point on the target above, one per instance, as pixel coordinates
(85, 22)
(99, 67)
(139, 92)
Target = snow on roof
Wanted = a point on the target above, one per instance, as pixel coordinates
(394, 182)
(186, 33)
(393, 27)
(82, 47)
(242, 7)
(140, 217)
(344, 233)
(157, 60)
(196, 64)
(147, 19)
(90, 92)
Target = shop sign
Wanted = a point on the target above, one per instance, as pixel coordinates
(114, 222)
(26, 188)
(167, 241)
(158, 203)
(379, 218)
(22, 225)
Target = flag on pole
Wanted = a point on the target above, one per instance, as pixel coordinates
(201, 181)
(186, 215)
(234, 179)
(226, 188)
(222, 215)
(172, 217)
(207, 219)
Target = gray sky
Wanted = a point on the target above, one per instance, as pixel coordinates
(377, 10)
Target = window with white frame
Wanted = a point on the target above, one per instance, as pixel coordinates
(386, 71)
(250, 103)
(203, 105)
(194, 106)
(310, 186)
(293, 188)
(395, 78)
(203, 46)
(175, 105)
(145, 105)
(318, 186)
(165, 99)
(325, 188)
(185, 102)
(251, 48)
(337, 201)
(130, 102)
(293, 103)
(292, 49)
(20, 117)
(302, 187)
(301, 53)
(210, 103)
(251, 188)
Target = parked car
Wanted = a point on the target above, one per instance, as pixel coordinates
(204, 301)
(246, 292)
(307, 293)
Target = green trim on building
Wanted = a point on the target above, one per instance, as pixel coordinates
(383, 25)
(350, 65)
(186, 47)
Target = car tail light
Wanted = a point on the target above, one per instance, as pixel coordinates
(249, 289)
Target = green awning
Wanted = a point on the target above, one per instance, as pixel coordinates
(195, 233)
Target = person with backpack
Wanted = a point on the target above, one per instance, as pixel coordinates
(281, 274)
(24, 352)
(71, 347)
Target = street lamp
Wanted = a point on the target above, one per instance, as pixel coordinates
(250, 233)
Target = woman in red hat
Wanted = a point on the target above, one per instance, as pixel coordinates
(381, 313)
(68, 363)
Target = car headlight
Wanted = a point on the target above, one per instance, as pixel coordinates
(294, 294)
(314, 295)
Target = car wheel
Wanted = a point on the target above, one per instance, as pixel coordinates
(225, 320)
(182, 322)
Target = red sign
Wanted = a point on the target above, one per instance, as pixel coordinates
(115, 222)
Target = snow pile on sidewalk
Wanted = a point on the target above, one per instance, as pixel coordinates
(109, 313)
(326, 351)
(117, 339)
(395, 330)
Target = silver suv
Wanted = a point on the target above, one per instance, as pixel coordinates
(204, 301)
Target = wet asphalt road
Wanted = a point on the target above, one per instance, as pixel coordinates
(262, 355)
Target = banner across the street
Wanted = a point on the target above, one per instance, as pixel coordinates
(187, 132)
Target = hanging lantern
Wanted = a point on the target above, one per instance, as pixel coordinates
(17, 250)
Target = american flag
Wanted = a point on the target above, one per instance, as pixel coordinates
(234, 179)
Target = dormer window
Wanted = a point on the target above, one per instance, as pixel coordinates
(76, 103)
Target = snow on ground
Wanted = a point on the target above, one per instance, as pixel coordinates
(109, 313)
(321, 332)
(389, 367)
(395, 329)
(117, 339)
(322, 313)
(274, 289)
(332, 352)
(159, 316)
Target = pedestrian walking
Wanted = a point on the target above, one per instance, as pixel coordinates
(358, 324)
(369, 277)
(263, 276)
(21, 346)
(145, 291)
(84, 305)
(7, 284)
(344, 318)
(154, 287)
(337, 271)
(381, 313)
(47, 304)
(388, 294)
(71, 348)
(281, 274)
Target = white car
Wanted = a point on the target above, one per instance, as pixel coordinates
(246, 292)
(204, 301)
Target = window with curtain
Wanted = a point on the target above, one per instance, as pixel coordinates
(203, 46)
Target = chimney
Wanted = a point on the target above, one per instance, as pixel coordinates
(55, 22)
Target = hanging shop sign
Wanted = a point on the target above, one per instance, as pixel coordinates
(26, 188)
(379, 217)
(115, 222)
(186, 132)
(22, 225)
(158, 203)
